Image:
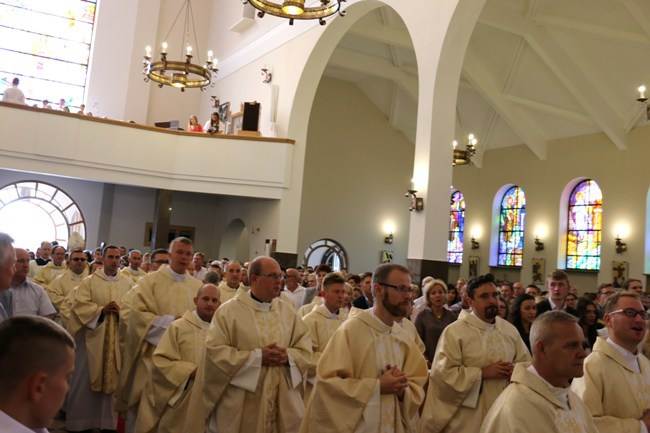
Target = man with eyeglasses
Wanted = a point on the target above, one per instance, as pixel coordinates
(370, 377)
(159, 257)
(473, 363)
(257, 352)
(63, 285)
(157, 300)
(616, 384)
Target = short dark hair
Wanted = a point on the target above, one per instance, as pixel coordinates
(383, 271)
(356, 278)
(15, 81)
(604, 286)
(108, 247)
(212, 277)
(477, 282)
(626, 284)
(155, 252)
(58, 246)
(323, 268)
(333, 278)
(364, 276)
(29, 344)
(559, 275)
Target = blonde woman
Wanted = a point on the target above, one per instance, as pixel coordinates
(434, 318)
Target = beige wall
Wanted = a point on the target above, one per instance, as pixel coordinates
(356, 172)
(621, 174)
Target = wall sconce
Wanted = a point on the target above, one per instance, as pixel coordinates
(621, 246)
(539, 245)
(417, 203)
(389, 239)
(475, 244)
(268, 76)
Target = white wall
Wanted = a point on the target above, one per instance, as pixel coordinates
(356, 172)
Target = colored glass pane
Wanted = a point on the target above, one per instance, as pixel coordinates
(584, 228)
(47, 45)
(456, 228)
(512, 222)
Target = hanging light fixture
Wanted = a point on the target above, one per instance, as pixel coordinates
(464, 156)
(296, 10)
(181, 74)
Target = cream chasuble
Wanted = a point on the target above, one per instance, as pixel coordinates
(101, 331)
(226, 292)
(616, 396)
(346, 397)
(46, 274)
(130, 273)
(166, 397)
(239, 394)
(154, 302)
(62, 285)
(322, 324)
(458, 398)
(530, 405)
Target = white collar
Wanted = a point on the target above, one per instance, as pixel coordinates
(176, 276)
(562, 394)
(632, 359)
(10, 425)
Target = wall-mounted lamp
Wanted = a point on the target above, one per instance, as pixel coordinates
(621, 246)
(389, 239)
(539, 245)
(417, 203)
(475, 244)
(268, 76)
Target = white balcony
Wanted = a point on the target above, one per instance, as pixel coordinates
(103, 150)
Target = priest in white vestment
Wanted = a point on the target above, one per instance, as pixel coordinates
(257, 353)
(166, 397)
(323, 321)
(152, 305)
(232, 282)
(473, 363)
(616, 384)
(370, 377)
(46, 274)
(63, 284)
(93, 324)
(539, 398)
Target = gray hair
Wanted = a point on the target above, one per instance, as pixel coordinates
(541, 330)
(6, 242)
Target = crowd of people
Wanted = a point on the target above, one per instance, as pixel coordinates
(15, 95)
(173, 342)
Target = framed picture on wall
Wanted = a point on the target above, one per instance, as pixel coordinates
(619, 273)
(386, 256)
(473, 266)
(539, 270)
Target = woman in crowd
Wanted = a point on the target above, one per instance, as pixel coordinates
(194, 125)
(504, 308)
(212, 125)
(523, 314)
(571, 300)
(588, 316)
(452, 296)
(434, 318)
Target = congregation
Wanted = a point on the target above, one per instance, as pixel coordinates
(172, 342)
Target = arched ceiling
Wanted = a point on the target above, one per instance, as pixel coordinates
(534, 71)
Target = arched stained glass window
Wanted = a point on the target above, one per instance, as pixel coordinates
(584, 228)
(47, 45)
(32, 211)
(456, 228)
(512, 221)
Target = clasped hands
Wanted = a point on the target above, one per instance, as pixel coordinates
(111, 307)
(393, 381)
(498, 370)
(274, 356)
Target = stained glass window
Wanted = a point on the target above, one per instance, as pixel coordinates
(456, 228)
(47, 45)
(584, 226)
(512, 221)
